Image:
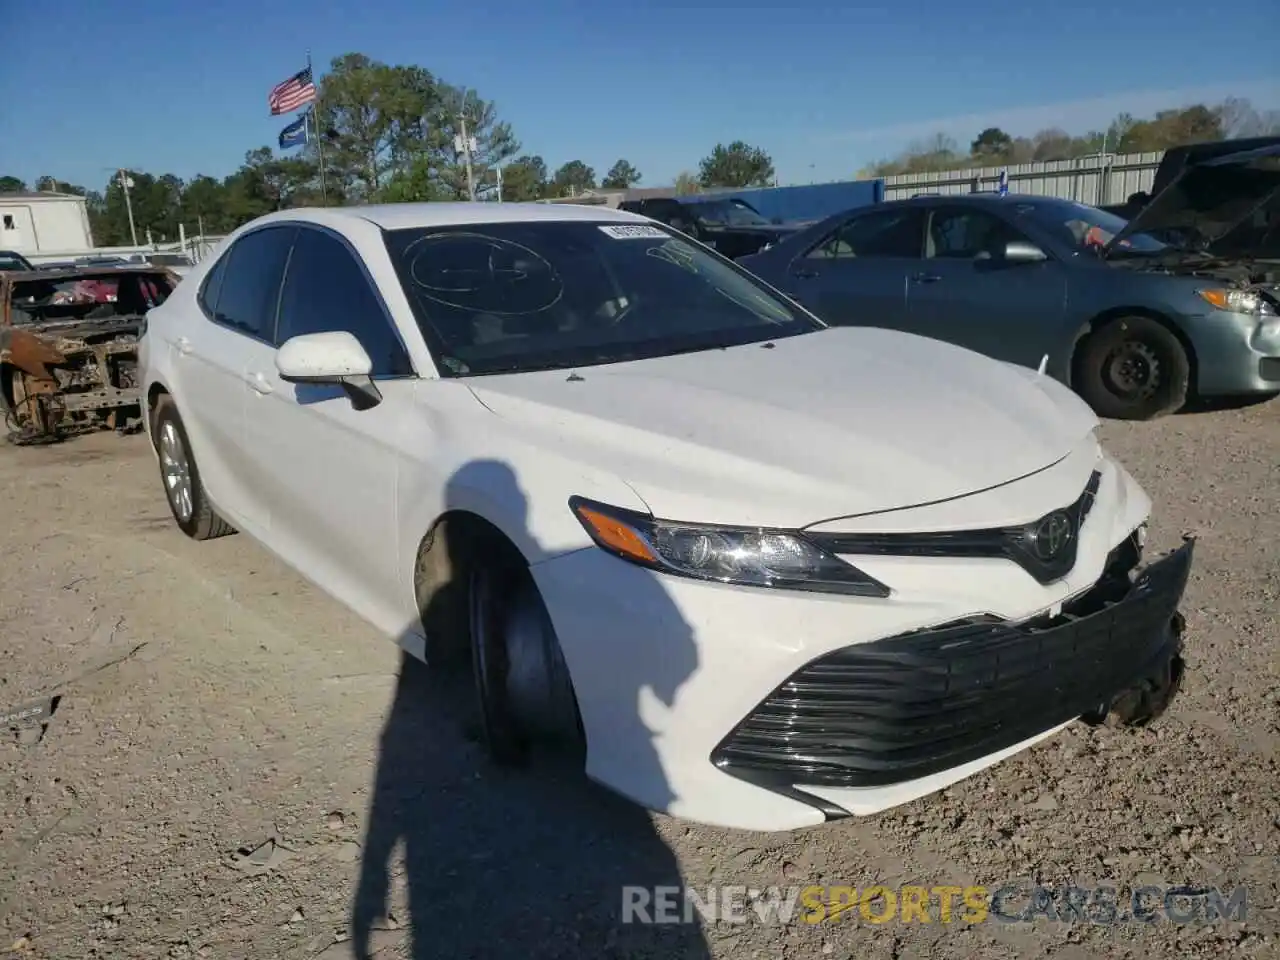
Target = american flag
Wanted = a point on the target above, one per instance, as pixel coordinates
(297, 91)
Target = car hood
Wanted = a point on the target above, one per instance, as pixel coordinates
(843, 422)
(1209, 199)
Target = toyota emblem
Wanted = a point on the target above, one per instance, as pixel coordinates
(1051, 536)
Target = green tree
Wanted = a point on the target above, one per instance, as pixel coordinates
(374, 119)
(204, 204)
(524, 178)
(285, 181)
(737, 165)
(11, 184)
(1172, 128)
(572, 178)
(621, 176)
(991, 142)
(1125, 134)
(495, 142)
(687, 184)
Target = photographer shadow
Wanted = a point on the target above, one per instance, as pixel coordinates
(512, 862)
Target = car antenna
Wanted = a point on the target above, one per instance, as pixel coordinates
(574, 378)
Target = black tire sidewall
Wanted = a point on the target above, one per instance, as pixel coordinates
(166, 412)
(488, 583)
(1171, 356)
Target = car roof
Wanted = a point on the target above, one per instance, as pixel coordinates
(979, 199)
(399, 216)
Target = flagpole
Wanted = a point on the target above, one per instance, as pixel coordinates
(315, 125)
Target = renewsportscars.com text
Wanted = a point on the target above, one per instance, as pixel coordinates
(945, 904)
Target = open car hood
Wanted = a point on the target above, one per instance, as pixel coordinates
(1209, 199)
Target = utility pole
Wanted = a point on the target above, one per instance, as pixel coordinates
(125, 183)
(464, 145)
(498, 171)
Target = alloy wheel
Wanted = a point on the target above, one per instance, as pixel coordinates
(175, 467)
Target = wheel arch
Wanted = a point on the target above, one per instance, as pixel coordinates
(456, 539)
(154, 392)
(1111, 315)
(516, 503)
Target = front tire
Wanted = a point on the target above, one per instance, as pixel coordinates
(184, 490)
(1134, 368)
(522, 685)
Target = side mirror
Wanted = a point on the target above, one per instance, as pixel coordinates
(1021, 252)
(334, 358)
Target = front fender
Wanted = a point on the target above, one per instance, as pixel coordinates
(467, 458)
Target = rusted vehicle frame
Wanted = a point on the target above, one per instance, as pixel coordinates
(64, 377)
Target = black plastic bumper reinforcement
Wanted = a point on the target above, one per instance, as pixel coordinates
(898, 709)
(1045, 548)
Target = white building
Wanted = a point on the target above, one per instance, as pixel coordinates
(44, 223)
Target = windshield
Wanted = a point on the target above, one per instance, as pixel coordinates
(734, 213)
(1088, 229)
(543, 295)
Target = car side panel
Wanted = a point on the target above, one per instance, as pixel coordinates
(204, 378)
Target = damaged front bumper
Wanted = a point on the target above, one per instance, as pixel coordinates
(909, 707)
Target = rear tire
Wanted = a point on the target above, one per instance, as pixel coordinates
(184, 490)
(1134, 368)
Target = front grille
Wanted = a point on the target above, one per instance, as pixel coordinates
(1016, 543)
(905, 707)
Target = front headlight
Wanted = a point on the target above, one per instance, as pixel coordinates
(750, 556)
(1236, 301)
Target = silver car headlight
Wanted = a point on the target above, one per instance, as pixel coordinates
(1237, 301)
(750, 556)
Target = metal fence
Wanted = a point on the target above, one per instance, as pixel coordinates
(196, 248)
(1099, 179)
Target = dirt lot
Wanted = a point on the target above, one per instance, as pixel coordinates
(213, 703)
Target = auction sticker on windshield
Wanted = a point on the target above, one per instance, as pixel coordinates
(634, 232)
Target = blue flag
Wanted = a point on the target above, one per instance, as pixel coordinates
(294, 135)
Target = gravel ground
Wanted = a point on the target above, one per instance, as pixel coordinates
(237, 766)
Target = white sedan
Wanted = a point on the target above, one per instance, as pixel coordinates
(762, 573)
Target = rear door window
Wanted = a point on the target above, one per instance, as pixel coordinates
(879, 235)
(208, 295)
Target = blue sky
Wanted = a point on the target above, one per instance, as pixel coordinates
(823, 87)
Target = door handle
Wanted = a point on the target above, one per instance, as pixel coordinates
(183, 345)
(926, 278)
(259, 383)
(803, 273)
